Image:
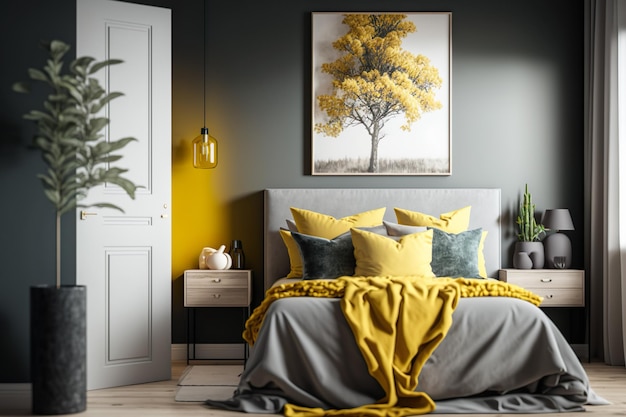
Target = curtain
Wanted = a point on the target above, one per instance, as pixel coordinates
(605, 178)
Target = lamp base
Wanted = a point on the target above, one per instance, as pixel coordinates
(557, 244)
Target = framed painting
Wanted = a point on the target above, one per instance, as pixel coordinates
(381, 93)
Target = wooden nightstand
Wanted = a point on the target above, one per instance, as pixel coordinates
(558, 287)
(215, 288)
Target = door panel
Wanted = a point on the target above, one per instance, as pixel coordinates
(124, 259)
(128, 307)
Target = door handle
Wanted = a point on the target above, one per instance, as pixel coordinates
(84, 214)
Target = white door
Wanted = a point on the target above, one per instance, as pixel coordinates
(124, 259)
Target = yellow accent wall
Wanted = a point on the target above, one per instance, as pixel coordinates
(199, 216)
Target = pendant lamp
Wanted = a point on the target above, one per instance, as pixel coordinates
(204, 145)
(204, 150)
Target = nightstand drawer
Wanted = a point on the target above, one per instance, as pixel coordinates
(217, 282)
(542, 279)
(560, 296)
(215, 297)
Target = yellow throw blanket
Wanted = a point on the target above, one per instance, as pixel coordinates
(397, 323)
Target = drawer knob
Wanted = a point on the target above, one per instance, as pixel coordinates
(549, 296)
(217, 295)
(546, 279)
(217, 279)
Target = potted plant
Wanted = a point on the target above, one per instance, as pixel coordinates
(529, 246)
(69, 126)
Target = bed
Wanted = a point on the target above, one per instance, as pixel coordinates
(375, 342)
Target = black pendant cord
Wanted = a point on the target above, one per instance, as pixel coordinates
(204, 62)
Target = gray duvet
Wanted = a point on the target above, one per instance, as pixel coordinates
(501, 355)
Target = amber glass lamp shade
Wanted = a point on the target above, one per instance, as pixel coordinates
(204, 150)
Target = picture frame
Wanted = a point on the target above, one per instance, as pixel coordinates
(381, 93)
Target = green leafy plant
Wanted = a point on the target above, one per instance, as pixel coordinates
(69, 134)
(529, 229)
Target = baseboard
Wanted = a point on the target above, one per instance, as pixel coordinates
(178, 352)
(15, 398)
(206, 351)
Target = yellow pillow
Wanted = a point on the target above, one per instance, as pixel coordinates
(378, 255)
(295, 259)
(456, 221)
(328, 227)
(482, 269)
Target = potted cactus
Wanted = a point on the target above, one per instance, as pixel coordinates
(529, 248)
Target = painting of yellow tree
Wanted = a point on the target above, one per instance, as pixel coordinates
(381, 94)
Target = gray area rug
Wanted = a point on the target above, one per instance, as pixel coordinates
(199, 382)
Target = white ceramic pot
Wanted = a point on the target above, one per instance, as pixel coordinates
(217, 259)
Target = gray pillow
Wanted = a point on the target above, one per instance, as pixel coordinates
(395, 229)
(384, 231)
(324, 258)
(379, 230)
(456, 254)
(291, 225)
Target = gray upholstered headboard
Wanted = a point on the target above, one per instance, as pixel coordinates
(340, 202)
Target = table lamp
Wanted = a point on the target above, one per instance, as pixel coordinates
(557, 244)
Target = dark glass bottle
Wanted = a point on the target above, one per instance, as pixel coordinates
(236, 254)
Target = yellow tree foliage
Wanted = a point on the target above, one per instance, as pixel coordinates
(375, 79)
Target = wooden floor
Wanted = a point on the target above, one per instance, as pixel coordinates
(157, 398)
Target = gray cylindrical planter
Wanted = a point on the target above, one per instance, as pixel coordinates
(58, 349)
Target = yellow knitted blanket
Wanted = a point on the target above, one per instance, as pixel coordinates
(397, 323)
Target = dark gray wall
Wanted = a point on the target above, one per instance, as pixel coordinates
(26, 218)
(517, 117)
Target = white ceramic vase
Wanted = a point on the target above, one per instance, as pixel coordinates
(215, 258)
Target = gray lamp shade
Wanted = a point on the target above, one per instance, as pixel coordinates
(557, 219)
(557, 244)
